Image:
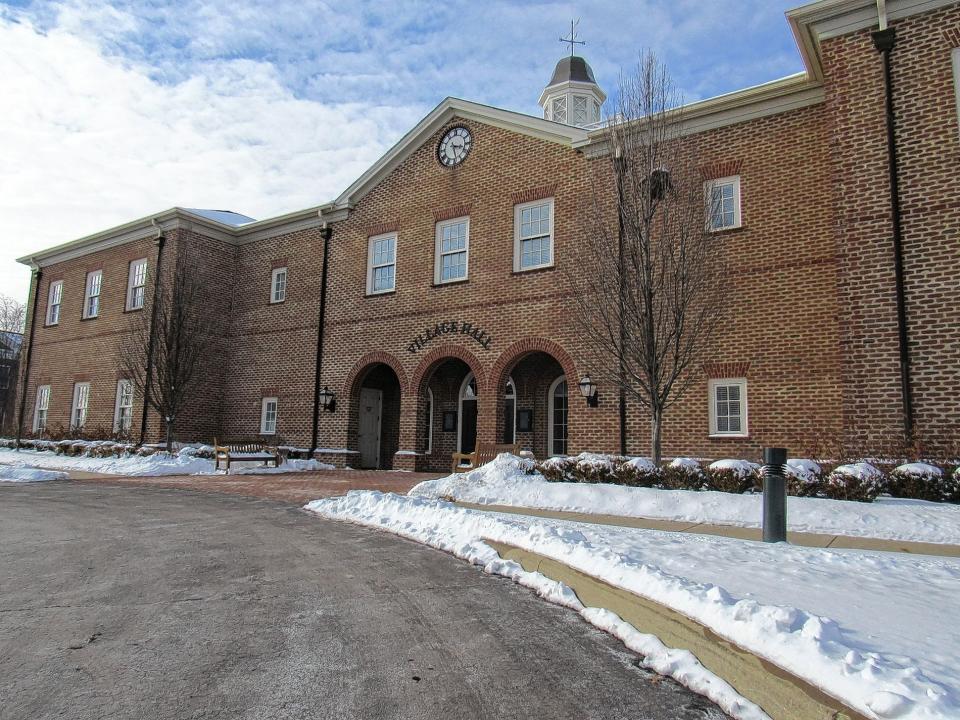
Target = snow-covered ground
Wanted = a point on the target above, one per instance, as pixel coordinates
(18, 474)
(184, 462)
(502, 482)
(873, 629)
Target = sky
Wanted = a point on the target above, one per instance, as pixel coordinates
(114, 109)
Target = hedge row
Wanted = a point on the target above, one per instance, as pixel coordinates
(98, 448)
(859, 481)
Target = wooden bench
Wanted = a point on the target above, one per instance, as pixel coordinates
(485, 452)
(246, 451)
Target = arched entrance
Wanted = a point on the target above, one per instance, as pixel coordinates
(467, 418)
(375, 406)
(450, 393)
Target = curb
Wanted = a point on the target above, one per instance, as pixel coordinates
(782, 695)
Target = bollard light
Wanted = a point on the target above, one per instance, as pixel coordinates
(774, 495)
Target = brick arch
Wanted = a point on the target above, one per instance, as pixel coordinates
(441, 353)
(357, 373)
(520, 349)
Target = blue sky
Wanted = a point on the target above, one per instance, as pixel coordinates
(121, 109)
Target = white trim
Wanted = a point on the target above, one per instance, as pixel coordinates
(55, 288)
(132, 272)
(711, 399)
(92, 290)
(550, 409)
(275, 295)
(438, 254)
(81, 403)
(708, 188)
(507, 396)
(121, 384)
(264, 406)
(517, 254)
(371, 267)
(955, 58)
(43, 394)
(463, 387)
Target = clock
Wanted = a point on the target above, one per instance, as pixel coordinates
(454, 146)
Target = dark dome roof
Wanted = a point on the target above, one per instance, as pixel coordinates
(573, 68)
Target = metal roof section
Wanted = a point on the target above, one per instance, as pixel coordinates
(572, 68)
(227, 217)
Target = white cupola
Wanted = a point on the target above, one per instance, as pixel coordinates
(572, 96)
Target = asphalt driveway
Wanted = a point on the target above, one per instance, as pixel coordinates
(135, 602)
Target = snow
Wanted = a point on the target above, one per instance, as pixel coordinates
(643, 464)
(685, 462)
(19, 474)
(802, 468)
(159, 464)
(860, 470)
(919, 469)
(868, 628)
(504, 482)
(742, 468)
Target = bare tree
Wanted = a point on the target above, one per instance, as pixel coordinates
(13, 314)
(179, 330)
(647, 280)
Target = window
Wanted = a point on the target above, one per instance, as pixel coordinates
(580, 116)
(558, 109)
(43, 405)
(268, 416)
(78, 415)
(123, 413)
(54, 297)
(510, 413)
(429, 421)
(278, 285)
(723, 203)
(728, 407)
(91, 298)
(136, 284)
(557, 420)
(382, 264)
(533, 235)
(453, 245)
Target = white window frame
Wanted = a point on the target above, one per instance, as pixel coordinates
(136, 280)
(124, 392)
(265, 428)
(429, 421)
(92, 290)
(558, 109)
(708, 188)
(42, 404)
(550, 412)
(371, 268)
(278, 289)
(517, 240)
(80, 405)
(585, 100)
(54, 293)
(508, 396)
(439, 254)
(712, 386)
(955, 57)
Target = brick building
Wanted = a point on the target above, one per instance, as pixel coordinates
(446, 320)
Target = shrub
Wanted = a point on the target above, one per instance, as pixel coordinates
(591, 468)
(683, 474)
(638, 472)
(804, 477)
(557, 469)
(859, 481)
(921, 481)
(732, 476)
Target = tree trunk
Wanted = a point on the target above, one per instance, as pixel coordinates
(169, 435)
(656, 430)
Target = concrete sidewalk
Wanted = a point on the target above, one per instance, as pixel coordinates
(731, 531)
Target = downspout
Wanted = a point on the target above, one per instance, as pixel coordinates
(884, 40)
(159, 242)
(25, 381)
(620, 164)
(326, 232)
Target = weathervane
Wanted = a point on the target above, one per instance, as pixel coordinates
(573, 36)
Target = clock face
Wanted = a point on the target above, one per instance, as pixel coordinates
(454, 146)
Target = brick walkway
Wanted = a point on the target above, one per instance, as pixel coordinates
(296, 488)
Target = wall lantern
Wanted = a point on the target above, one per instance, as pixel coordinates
(328, 401)
(588, 390)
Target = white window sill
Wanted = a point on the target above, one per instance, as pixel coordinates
(723, 436)
(531, 268)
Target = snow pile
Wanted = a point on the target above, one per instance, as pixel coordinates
(20, 474)
(919, 469)
(643, 464)
(685, 463)
(803, 469)
(185, 462)
(868, 628)
(740, 468)
(506, 481)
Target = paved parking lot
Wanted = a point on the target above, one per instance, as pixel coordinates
(147, 602)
